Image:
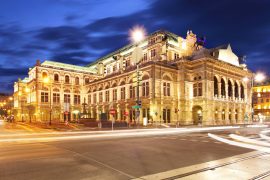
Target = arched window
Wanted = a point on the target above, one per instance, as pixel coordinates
(229, 88)
(66, 79)
(236, 93)
(77, 80)
(86, 80)
(242, 92)
(215, 86)
(44, 75)
(222, 87)
(56, 77)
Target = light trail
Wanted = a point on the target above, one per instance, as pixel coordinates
(247, 140)
(239, 144)
(120, 133)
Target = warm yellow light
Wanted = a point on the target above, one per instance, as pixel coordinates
(10, 98)
(245, 79)
(20, 93)
(27, 90)
(184, 45)
(137, 34)
(46, 80)
(259, 77)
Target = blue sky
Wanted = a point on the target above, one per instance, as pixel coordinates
(80, 31)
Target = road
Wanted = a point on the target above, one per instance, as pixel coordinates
(123, 157)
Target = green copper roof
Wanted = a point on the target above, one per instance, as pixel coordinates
(68, 66)
(170, 35)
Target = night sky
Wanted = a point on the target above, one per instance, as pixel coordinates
(80, 31)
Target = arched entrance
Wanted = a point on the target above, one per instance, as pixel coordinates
(197, 115)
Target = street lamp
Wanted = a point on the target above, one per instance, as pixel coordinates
(137, 34)
(46, 80)
(258, 77)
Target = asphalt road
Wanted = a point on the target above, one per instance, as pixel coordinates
(112, 158)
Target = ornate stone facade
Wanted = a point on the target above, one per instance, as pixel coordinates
(181, 82)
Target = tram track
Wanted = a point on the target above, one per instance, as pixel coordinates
(261, 176)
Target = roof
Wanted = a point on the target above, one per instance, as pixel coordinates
(60, 65)
(170, 35)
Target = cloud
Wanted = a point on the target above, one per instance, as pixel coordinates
(244, 24)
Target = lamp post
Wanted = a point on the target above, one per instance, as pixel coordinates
(137, 34)
(46, 80)
(258, 77)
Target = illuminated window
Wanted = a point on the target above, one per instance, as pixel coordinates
(166, 89)
(100, 97)
(66, 98)
(145, 89)
(115, 94)
(107, 96)
(153, 52)
(77, 80)
(123, 92)
(56, 77)
(44, 97)
(56, 98)
(66, 79)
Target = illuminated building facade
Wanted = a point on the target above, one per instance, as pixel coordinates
(261, 102)
(180, 81)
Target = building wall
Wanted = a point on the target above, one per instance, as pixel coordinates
(261, 100)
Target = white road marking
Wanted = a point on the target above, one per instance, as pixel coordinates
(244, 145)
(247, 140)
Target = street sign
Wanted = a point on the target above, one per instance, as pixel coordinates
(136, 107)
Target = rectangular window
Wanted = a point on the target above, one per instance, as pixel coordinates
(95, 98)
(56, 98)
(168, 89)
(66, 98)
(153, 53)
(176, 56)
(164, 89)
(115, 94)
(107, 96)
(100, 97)
(130, 92)
(200, 89)
(123, 92)
(44, 97)
(145, 89)
(145, 57)
(77, 99)
(195, 90)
